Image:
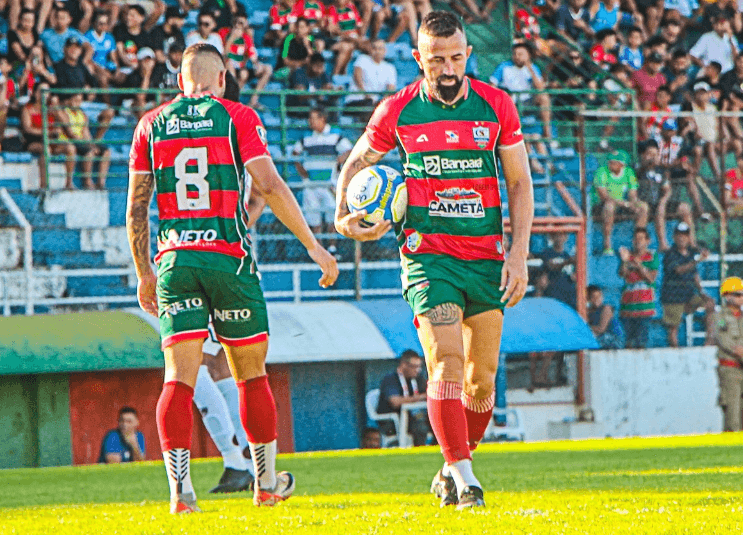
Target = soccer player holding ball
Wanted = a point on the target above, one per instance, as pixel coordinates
(455, 274)
(195, 149)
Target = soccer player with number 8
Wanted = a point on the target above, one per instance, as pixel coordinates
(194, 150)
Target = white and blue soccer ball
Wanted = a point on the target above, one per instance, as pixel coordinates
(381, 191)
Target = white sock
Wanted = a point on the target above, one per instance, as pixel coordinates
(445, 471)
(178, 467)
(264, 463)
(232, 397)
(463, 476)
(216, 417)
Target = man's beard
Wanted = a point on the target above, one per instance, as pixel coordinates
(447, 93)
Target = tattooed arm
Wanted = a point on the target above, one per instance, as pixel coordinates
(141, 186)
(347, 224)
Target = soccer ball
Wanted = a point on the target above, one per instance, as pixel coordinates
(381, 191)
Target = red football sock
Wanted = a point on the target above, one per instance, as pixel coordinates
(446, 414)
(478, 413)
(258, 410)
(174, 415)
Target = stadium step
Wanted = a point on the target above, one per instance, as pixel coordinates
(56, 240)
(71, 260)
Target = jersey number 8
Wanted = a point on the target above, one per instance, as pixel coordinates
(192, 200)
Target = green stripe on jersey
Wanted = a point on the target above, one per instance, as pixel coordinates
(451, 164)
(418, 218)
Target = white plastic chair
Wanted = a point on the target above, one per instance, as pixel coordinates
(372, 401)
(513, 430)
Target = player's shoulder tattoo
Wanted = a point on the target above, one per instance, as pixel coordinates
(444, 314)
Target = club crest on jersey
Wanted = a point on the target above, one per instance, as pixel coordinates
(262, 134)
(457, 202)
(413, 241)
(451, 136)
(481, 134)
(173, 126)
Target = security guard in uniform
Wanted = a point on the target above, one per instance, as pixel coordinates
(728, 329)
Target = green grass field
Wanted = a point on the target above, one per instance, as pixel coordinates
(659, 485)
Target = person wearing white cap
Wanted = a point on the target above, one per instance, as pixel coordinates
(704, 124)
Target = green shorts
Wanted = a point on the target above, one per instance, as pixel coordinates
(473, 286)
(188, 295)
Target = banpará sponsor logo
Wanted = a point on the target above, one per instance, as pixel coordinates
(195, 303)
(242, 314)
(436, 165)
(197, 235)
(457, 202)
(176, 124)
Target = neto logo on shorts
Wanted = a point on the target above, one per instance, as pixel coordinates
(457, 202)
(197, 235)
(194, 303)
(436, 165)
(242, 314)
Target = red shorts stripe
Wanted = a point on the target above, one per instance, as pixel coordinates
(184, 336)
(422, 191)
(462, 247)
(215, 246)
(222, 203)
(448, 135)
(250, 340)
(219, 150)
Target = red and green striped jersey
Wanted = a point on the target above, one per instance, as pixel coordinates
(281, 18)
(197, 147)
(347, 18)
(312, 11)
(241, 50)
(638, 295)
(448, 154)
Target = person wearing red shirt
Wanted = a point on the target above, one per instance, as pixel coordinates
(606, 41)
(734, 189)
(239, 49)
(313, 11)
(282, 17)
(662, 106)
(343, 22)
(647, 80)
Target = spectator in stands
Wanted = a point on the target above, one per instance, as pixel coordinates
(615, 193)
(602, 51)
(671, 33)
(614, 101)
(401, 15)
(71, 73)
(631, 53)
(74, 127)
(372, 73)
(239, 49)
(518, 75)
(343, 22)
(22, 39)
(130, 37)
(733, 102)
(734, 189)
(733, 78)
(54, 38)
(682, 11)
(573, 22)
(675, 159)
(125, 443)
(647, 80)
(221, 10)
(710, 74)
(281, 19)
(143, 78)
(658, 45)
(206, 32)
(103, 62)
(654, 188)
(639, 269)
(296, 50)
(678, 76)
(706, 132)
(311, 77)
(168, 33)
(165, 75)
(15, 9)
(560, 268)
(602, 320)
(721, 9)
(325, 150)
(681, 292)
(32, 131)
(405, 385)
(36, 70)
(605, 15)
(661, 106)
(313, 11)
(646, 13)
(371, 439)
(719, 45)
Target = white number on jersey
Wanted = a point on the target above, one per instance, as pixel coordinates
(193, 200)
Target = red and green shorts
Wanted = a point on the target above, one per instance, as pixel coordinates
(188, 295)
(473, 285)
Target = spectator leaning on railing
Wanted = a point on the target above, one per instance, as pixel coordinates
(311, 77)
(681, 292)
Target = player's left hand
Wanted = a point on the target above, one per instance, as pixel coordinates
(327, 263)
(514, 279)
(146, 294)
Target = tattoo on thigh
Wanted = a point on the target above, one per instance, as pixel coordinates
(443, 314)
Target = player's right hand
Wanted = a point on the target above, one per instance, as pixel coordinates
(349, 226)
(146, 293)
(327, 263)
